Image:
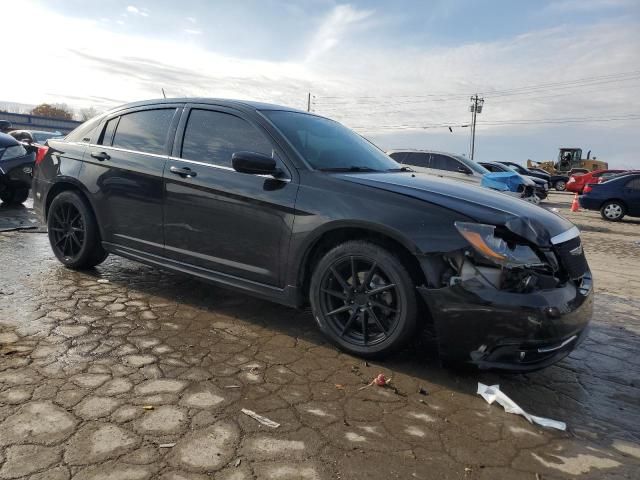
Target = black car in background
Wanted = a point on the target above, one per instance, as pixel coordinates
(296, 208)
(34, 136)
(541, 186)
(16, 166)
(615, 197)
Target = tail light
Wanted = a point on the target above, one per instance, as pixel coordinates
(587, 188)
(40, 154)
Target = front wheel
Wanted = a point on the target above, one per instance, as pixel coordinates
(364, 299)
(73, 232)
(613, 211)
(14, 195)
(560, 185)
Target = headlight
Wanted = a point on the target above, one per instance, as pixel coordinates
(482, 238)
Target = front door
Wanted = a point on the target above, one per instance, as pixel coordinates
(216, 218)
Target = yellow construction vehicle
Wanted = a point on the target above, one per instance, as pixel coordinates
(569, 159)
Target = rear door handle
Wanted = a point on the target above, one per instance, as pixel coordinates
(102, 156)
(183, 172)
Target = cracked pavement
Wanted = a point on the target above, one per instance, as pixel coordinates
(130, 372)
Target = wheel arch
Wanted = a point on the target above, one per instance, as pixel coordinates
(337, 233)
(66, 184)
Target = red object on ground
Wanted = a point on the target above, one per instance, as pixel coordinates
(574, 205)
(381, 380)
(577, 182)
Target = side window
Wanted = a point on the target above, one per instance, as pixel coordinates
(442, 162)
(633, 184)
(84, 133)
(213, 137)
(398, 156)
(106, 138)
(144, 131)
(417, 159)
(489, 167)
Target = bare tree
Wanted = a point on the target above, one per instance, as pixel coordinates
(87, 113)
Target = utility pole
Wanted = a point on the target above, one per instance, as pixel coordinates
(475, 109)
(309, 102)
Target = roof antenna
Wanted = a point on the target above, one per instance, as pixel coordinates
(163, 94)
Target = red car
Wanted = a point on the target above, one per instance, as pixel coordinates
(577, 182)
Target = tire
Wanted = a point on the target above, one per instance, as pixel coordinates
(613, 211)
(73, 232)
(383, 286)
(14, 195)
(560, 185)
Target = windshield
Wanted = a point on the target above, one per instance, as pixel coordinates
(328, 145)
(476, 167)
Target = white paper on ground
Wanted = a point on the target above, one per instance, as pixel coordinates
(492, 393)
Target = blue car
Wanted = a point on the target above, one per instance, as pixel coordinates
(615, 198)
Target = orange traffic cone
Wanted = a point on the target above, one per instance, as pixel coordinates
(575, 206)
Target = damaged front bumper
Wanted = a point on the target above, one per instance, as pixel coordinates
(490, 328)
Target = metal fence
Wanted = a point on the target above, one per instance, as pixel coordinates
(21, 121)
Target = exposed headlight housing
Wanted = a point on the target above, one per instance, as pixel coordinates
(495, 249)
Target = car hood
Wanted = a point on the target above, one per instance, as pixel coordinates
(529, 221)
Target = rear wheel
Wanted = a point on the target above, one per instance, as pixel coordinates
(364, 299)
(613, 211)
(14, 195)
(560, 185)
(73, 232)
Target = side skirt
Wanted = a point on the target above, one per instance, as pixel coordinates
(289, 296)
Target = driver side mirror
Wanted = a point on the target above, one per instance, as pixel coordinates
(463, 169)
(254, 163)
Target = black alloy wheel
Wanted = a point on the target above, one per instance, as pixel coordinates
(364, 299)
(68, 231)
(73, 232)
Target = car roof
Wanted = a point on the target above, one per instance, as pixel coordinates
(7, 140)
(211, 101)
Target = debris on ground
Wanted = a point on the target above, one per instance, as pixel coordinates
(233, 386)
(102, 280)
(423, 391)
(380, 380)
(263, 420)
(167, 445)
(492, 393)
(148, 407)
(237, 462)
(339, 386)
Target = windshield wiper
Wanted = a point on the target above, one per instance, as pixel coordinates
(353, 168)
(401, 169)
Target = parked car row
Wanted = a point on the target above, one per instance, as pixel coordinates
(615, 197)
(457, 167)
(296, 208)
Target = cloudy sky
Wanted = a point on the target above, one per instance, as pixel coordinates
(553, 73)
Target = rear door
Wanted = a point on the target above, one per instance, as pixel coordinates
(632, 196)
(219, 219)
(123, 171)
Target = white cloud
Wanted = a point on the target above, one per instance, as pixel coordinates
(334, 26)
(193, 31)
(192, 19)
(138, 11)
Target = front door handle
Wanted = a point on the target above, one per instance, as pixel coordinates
(102, 156)
(183, 172)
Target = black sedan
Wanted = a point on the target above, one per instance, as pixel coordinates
(615, 198)
(16, 165)
(298, 209)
